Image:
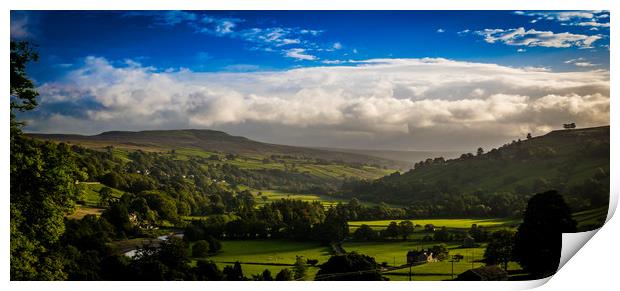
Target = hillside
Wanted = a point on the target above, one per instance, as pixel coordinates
(573, 162)
(211, 141)
(404, 156)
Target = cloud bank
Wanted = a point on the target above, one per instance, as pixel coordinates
(380, 103)
(531, 37)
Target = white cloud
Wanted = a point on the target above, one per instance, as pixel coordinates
(441, 30)
(577, 18)
(592, 23)
(580, 62)
(521, 37)
(521, 50)
(268, 39)
(561, 16)
(337, 46)
(380, 103)
(300, 54)
(333, 62)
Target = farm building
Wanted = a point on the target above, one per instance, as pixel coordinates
(486, 273)
(420, 257)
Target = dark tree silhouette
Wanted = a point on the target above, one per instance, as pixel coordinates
(349, 267)
(234, 273)
(538, 241)
(284, 275)
(365, 232)
(500, 248)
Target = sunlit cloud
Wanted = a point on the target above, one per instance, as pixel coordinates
(531, 37)
(389, 103)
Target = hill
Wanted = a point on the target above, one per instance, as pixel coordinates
(212, 141)
(574, 162)
(403, 156)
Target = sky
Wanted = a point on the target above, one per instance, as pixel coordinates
(399, 80)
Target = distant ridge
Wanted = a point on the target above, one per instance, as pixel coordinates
(409, 157)
(210, 140)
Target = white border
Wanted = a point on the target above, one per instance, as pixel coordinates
(593, 266)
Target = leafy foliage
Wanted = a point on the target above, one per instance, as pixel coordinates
(538, 241)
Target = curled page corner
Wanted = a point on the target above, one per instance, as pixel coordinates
(573, 242)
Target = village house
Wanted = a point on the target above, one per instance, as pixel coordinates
(420, 257)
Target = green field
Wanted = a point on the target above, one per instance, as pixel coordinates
(275, 255)
(89, 192)
(394, 253)
(590, 219)
(257, 255)
(464, 223)
(270, 251)
(275, 195)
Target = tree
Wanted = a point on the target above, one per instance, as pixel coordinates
(284, 275)
(529, 135)
(43, 191)
(300, 268)
(234, 273)
(499, 249)
(442, 235)
(200, 249)
(480, 151)
(105, 196)
(538, 241)
(23, 92)
(207, 270)
(266, 275)
(365, 232)
(214, 244)
(405, 228)
(349, 267)
(392, 230)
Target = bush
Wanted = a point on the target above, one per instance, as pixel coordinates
(200, 249)
(214, 245)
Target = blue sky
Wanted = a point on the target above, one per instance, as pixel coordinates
(229, 49)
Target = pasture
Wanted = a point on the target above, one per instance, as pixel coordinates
(258, 255)
(462, 223)
(590, 219)
(82, 210)
(275, 255)
(89, 192)
(276, 195)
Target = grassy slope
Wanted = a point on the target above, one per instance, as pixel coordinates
(89, 193)
(492, 175)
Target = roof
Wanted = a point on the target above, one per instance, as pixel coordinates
(486, 273)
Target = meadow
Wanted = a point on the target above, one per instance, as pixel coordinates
(462, 223)
(275, 255)
(89, 193)
(258, 255)
(276, 195)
